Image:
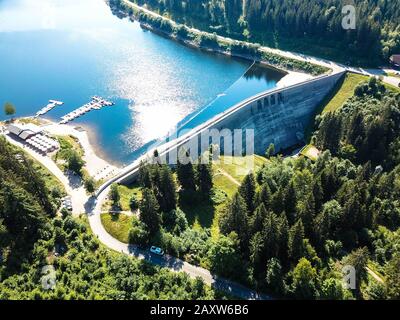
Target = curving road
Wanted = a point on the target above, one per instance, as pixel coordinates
(92, 207)
(167, 261)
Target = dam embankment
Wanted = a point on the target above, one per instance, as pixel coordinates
(278, 116)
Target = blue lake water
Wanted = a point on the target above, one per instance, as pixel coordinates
(72, 50)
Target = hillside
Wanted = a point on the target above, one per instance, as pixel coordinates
(311, 27)
(34, 239)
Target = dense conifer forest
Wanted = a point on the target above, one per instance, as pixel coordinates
(32, 237)
(294, 224)
(313, 26)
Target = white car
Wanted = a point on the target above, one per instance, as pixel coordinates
(157, 251)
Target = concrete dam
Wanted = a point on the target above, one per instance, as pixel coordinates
(278, 116)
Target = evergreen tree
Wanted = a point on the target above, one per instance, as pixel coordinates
(289, 202)
(305, 280)
(248, 190)
(283, 230)
(145, 179)
(149, 212)
(392, 279)
(257, 253)
(274, 276)
(186, 174)
(264, 196)
(295, 241)
(271, 235)
(258, 218)
(114, 194)
(167, 190)
(204, 178)
(306, 212)
(235, 219)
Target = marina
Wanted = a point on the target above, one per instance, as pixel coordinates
(52, 104)
(96, 104)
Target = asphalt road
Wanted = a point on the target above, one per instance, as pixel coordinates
(167, 261)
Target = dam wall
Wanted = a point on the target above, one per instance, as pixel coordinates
(278, 116)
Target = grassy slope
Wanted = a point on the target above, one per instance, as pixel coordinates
(238, 167)
(50, 180)
(201, 215)
(126, 193)
(345, 92)
(206, 215)
(310, 152)
(117, 225)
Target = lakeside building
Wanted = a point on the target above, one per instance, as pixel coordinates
(34, 137)
(24, 131)
(395, 60)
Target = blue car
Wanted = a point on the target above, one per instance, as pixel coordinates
(157, 251)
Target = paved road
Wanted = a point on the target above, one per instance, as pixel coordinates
(72, 183)
(81, 203)
(167, 261)
(336, 67)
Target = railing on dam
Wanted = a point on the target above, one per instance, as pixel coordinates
(277, 93)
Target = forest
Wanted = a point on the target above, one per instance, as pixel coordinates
(294, 224)
(289, 229)
(32, 237)
(311, 27)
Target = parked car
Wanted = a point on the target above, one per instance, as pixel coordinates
(157, 251)
(67, 203)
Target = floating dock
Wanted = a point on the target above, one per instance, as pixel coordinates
(96, 104)
(52, 104)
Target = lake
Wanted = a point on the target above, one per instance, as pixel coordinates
(72, 50)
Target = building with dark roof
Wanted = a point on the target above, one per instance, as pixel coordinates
(24, 132)
(395, 60)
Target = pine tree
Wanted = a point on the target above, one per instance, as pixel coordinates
(149, 211)
(186, 174)
(318, 194)
(271, 235)
(283, 231)
(257, 252)
(204, 178)
(295, 242)
(258, 218)
(235, 219)
(248, 190)
(145, 180)
(306, 212)
(289, 202)
(167, 190)
(114, 194)
(264, 196)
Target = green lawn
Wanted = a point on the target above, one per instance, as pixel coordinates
(238, 167)
(310, 152)
(344, 92)
(205, 214)
(67, 144)
(392, 74)
(126, 193)
(392, 87)
(223, 183)
(117, 225)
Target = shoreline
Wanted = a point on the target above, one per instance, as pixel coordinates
(94, 163)
(273, 58)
